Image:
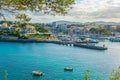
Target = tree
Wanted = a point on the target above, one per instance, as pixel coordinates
(100, 31)
(46, 6)
(41, 28)
(94, 30)
(23, 18)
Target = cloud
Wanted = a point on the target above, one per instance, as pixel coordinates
(93, 10)
(84, 11)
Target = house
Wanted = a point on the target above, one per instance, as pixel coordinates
(28, 29)
(118, 28)
(14, 28)
(61, 27)
(4, 26)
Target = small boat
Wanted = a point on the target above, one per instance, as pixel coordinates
(38, 73)
(116, 39)
(68, 69)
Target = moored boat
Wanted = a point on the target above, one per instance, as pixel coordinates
(116, 39)
(87, 40)
(38, 73)
(68, 69)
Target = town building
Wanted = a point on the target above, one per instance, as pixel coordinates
(28, 29)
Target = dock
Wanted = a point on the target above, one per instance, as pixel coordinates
(83, 45)
(55, 42)
(91, 47)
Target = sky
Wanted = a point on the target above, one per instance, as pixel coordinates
(83, 11)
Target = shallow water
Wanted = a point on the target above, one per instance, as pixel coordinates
(20, 59)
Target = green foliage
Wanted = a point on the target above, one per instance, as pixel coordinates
(23, 18)
(78, 25)
(86, 77)
(15, 33)
(3, 32)
(100, 31)
(94, 30)
(46, 6)
(40, 36)
(40, 28)
(5, 75)
(23, 37)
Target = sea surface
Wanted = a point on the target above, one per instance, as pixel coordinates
(20, 59)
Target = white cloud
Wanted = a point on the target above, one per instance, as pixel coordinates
(84, 10)
(92, 10)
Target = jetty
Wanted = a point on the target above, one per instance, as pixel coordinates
(83, 45)
(55, 42)
(87, 42)
(91, 47)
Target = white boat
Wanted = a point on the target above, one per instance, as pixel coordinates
(68, 69)
(38, 73)
(116, 39)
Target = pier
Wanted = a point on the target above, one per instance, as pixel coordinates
(68, 43)
(82, 45)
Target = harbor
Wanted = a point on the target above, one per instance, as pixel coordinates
(51, 59)
(59, 40)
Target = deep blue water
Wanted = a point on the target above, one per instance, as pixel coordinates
(20, 59)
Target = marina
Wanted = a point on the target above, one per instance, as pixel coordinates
(59, 40)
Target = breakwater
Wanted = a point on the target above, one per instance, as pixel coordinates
(56, 42)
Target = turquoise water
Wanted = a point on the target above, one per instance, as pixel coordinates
(20, 59)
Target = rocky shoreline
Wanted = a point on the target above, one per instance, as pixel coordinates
(26, 40)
